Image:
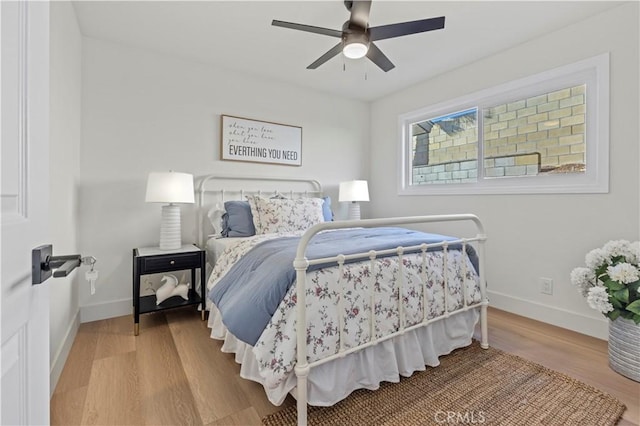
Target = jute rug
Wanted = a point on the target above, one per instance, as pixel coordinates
(471, 386)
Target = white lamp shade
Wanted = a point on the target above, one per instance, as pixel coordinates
(170, 187)
(354, 190)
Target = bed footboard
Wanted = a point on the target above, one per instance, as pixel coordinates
(301, 264)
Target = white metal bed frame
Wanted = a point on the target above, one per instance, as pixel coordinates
(301, 263)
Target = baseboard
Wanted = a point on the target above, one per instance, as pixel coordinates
(63, 353)
(574, 321)
(598, 328)
(100, 311)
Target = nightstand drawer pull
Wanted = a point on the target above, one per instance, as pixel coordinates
(173, 262)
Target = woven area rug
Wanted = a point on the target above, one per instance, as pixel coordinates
(471, 386)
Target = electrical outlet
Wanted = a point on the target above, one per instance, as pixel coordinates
(546, 285)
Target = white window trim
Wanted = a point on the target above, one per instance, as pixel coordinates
(593, 71)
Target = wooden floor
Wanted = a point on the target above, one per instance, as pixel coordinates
(173, 373)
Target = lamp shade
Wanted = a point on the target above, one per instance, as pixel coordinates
(354, 190)
(169, 187)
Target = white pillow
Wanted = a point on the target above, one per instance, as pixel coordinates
(284, 215)
(215, 218)
(251, 199)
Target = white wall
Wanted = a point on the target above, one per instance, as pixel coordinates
(532, 236)
(146, 112)
(65, 102)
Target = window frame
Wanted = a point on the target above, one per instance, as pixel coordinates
(594, 72)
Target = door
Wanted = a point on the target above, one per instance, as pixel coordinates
(24, 124)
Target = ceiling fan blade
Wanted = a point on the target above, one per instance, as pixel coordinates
(405, 28)
(379, 58)
(324, 58)
(307, 28)
(360, 13)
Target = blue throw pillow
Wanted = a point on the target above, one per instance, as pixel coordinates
(238, 220)
(326, 209)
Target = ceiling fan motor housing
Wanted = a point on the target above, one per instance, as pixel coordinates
(357, 38)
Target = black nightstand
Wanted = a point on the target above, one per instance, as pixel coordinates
(153, 260)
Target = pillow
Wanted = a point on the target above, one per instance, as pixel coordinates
(284, 215)
(237, 220)
(326, 209)
(215, 218)
(254, 209)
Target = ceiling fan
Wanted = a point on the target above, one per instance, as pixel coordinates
(356, 37)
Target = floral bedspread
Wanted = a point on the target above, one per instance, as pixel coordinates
(276, 348)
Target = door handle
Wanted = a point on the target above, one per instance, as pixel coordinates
(43, 264)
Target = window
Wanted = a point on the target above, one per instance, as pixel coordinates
(543, 134)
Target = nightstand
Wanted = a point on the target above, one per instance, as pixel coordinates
(153, 260)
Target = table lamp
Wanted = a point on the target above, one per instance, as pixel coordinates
(170, 187)
(354, 191)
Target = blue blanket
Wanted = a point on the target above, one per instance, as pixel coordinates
(251, 291)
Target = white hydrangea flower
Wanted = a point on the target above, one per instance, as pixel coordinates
(634, 248)
(624, 273)
(595, 258)
(583, 279)
(617, 248)
(598, 299)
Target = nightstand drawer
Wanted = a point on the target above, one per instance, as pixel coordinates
(175, 262)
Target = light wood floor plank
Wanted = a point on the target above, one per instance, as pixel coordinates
(212, 378)
(165, 395)
(246, 417)
(67, 407)
(77, 369)
(115, 337)
(173, 373)
(113, 396)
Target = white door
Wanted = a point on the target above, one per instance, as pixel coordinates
(24, 76)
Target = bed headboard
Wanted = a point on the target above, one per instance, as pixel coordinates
(214, 190)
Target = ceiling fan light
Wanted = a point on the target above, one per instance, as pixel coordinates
(355, 50)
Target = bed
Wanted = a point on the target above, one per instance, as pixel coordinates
(359, 331)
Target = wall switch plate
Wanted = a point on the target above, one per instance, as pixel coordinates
(546, 285)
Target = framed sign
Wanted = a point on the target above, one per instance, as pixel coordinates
(257, 141)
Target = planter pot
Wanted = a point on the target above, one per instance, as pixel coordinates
(624, 348)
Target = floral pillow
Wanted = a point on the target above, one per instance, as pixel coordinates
(284, 215)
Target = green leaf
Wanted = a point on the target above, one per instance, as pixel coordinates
(613, 314)
(622, 295)
(617, 259)
(634, 286)
(614, 285)
(616, 303)
(636, 319)
(626, 314)
(634, 307)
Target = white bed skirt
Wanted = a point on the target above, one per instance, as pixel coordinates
(386, 361)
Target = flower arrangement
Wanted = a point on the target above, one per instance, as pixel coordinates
(611, 280)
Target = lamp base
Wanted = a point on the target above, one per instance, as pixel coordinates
(354, 210)
(170, 232)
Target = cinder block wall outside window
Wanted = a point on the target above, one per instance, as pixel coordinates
(541, 134)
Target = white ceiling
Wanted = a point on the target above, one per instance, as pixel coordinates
(238, 35)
